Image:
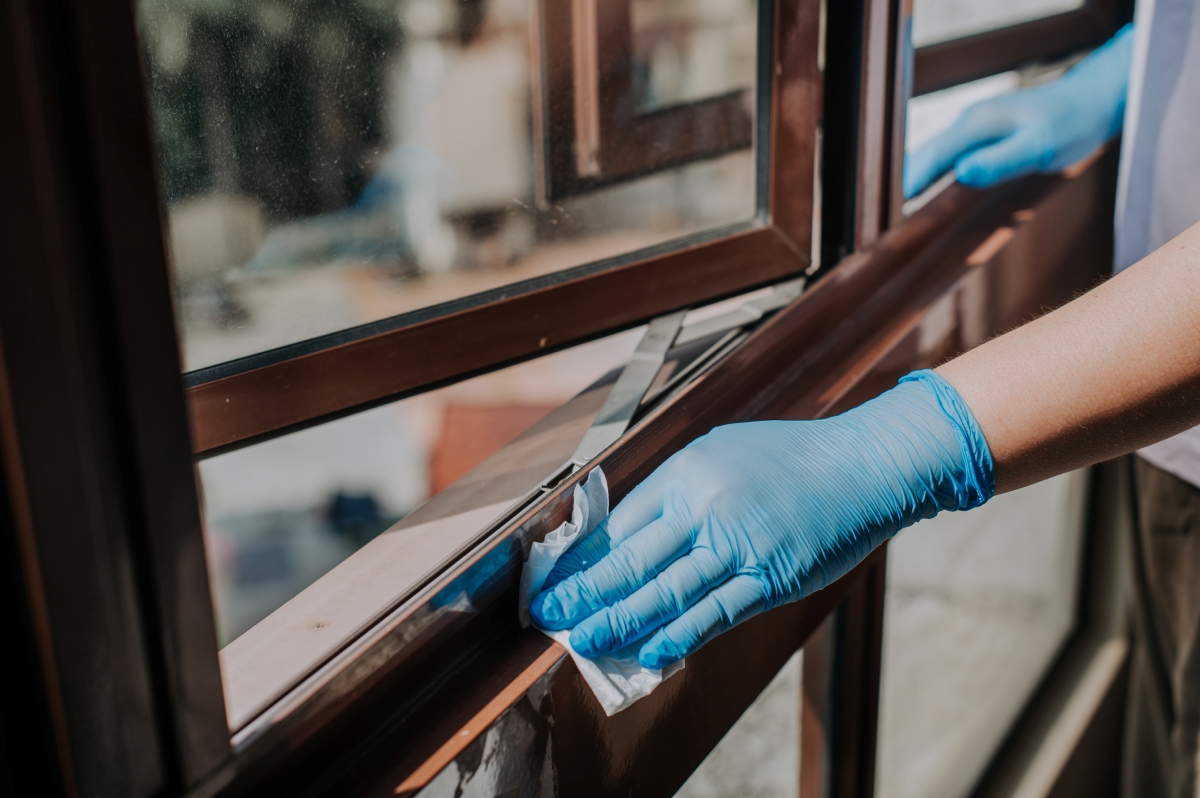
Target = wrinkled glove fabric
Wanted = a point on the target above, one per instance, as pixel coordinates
(1039, 129)
(617, 679)
(754, 515)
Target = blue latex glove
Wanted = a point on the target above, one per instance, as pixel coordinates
(754, 515)
(1040, 129)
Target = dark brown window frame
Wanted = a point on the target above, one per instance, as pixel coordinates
(939, 66)
(589, 131)
(90, 404)
(250, 399)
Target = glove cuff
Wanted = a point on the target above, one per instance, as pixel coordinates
(978, 480)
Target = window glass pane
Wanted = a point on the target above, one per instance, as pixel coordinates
(280, 514)
(936, 21)
(685, 50)
(326, 164)
(759, 757)
(977, 606)
(930, 114)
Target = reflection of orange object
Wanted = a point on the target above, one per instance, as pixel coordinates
(472, 433)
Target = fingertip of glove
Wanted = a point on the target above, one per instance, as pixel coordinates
(974, 175)
(585, 644)
(546, 611)
(659, 653)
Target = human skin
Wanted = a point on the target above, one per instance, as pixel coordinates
(1116, 369)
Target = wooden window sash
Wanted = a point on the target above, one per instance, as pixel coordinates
(286, 389)
(945, 64)
(863, 130)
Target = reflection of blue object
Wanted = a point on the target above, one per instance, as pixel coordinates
(396, 208)
(262, 561)
(1039, 129)
(398, 169)
(482, 579)
(754, 515)
(356, 515)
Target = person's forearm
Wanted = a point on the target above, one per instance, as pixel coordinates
(1114, 370)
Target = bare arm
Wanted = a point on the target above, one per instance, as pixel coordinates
(1114, 370)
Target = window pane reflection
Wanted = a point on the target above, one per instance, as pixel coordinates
(943, 20)
(977, 606)
(329, 163)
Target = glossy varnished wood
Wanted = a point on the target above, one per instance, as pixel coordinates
(797, 96)
(165, 510)
(94, 432)
(306, 385)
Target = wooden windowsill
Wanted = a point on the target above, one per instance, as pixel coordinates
(262, 664)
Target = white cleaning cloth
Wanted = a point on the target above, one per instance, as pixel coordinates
(618, 679)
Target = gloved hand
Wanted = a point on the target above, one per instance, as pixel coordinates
(753, 515)
(1040, 129)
